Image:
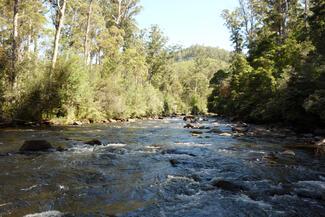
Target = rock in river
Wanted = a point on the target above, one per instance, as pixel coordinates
(174, 162)
(225, 134)
(35, 145)
(227, 185)
(189, 126)
(194, 133)
(93, 142)
(288, 152)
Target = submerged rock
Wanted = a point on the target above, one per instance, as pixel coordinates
(173, 162)
(189, 126)
(93, 142)
(176, 151)
(227, 185)
(215, 130)
(243, 129)
(194, 126)
(195, 133)
(36, 145)
(61, 149)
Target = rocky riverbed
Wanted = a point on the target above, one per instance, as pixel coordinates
(171, 167)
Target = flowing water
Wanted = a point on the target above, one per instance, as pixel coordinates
(158, 168)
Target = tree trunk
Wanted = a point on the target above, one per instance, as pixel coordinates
(15, 44)
(306, 13)
(59, 25)
(86, 45)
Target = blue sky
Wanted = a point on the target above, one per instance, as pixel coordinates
(188, 22)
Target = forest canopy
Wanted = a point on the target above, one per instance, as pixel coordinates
(277, 71)
(68, 60)
(71, 60)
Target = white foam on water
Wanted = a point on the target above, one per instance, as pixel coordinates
(314, 184)
(246, 199)
(29, 188)
(171, 177)
(46, 214)
(79, 149)
(190, 144)
(225, 151)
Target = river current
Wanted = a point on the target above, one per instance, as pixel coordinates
(159, 168)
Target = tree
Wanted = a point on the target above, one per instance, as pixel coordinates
(15, 43)
(234, 23)
(86, 43)
(157, 55)
(59, 8)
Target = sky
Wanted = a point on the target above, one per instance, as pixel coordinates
(188, 22)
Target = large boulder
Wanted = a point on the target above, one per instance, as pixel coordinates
(36, 145)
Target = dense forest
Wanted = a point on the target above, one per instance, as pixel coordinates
(277, 72)
(66, 60)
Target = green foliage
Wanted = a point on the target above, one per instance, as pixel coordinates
(282, 77)
(106, 68)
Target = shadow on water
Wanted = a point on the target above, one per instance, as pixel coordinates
(158, 168)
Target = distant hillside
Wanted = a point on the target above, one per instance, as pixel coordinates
(198, 50)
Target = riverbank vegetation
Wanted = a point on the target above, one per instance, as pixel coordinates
(87, 60)
(277, 71)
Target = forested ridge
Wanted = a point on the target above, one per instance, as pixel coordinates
(67, 60)
(277, 72)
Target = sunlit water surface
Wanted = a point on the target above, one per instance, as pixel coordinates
(132, 174)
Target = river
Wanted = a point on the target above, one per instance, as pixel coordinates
(159, 168)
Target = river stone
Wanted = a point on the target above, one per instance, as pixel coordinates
(174, 162)
(196, 132)
(189, 126)
(227, 185)
(77, 123)
(93, 142)
(288, 152)
(225, 134)
(215, 130)
(240, 129)
(188, 118)
(35, 145)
